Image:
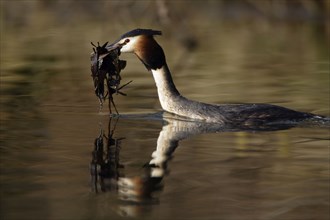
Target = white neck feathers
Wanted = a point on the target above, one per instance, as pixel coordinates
(167, 92)
(171, 100)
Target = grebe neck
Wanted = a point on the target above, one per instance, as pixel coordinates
(167, 92)
(172, 101)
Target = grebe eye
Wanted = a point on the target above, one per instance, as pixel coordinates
(127, 40)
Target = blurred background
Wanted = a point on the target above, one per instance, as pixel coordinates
(219, 51)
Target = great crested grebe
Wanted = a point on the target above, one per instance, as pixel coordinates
(142, 43)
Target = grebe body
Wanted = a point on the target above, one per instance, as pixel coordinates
(142, 43)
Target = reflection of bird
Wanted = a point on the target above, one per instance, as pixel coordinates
(142, 43)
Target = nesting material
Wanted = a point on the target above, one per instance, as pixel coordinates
(106, 67)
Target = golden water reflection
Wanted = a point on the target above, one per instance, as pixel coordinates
(140, 193)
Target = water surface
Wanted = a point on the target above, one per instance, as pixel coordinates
(162, 168)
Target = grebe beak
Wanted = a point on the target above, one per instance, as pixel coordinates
(116, 45)
(113, 46)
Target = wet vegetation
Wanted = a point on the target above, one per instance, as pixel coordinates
(106, 67)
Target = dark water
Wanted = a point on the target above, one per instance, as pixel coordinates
(147, 167)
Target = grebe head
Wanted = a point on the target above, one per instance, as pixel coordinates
(142, 43)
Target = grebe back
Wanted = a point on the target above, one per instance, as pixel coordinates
(142, 43)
